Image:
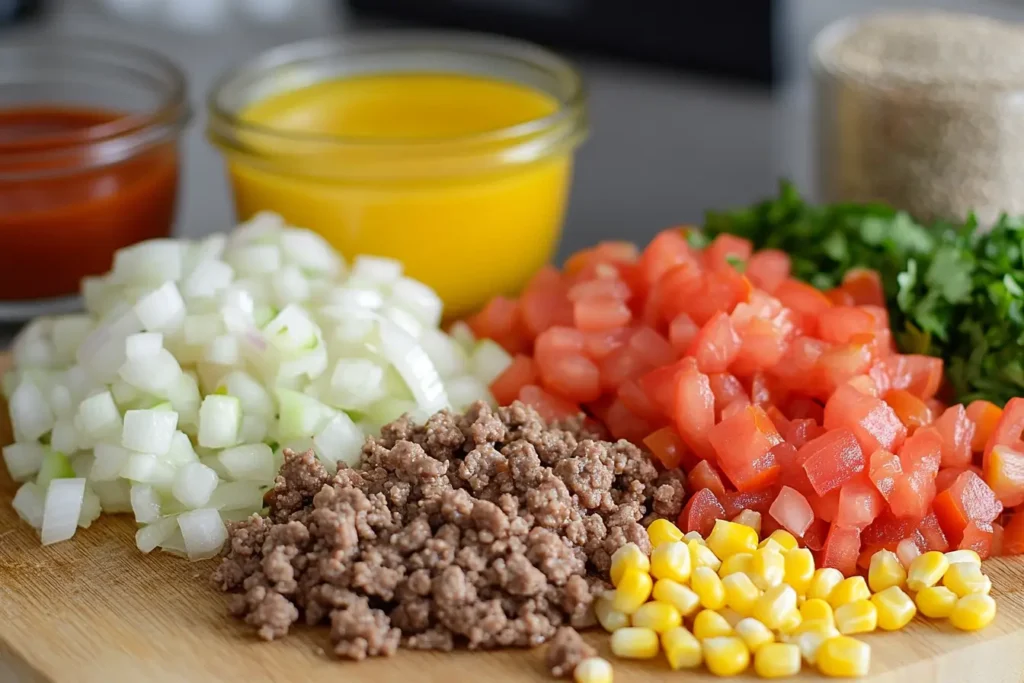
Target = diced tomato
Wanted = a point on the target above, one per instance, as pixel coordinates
(791, 470)
(549, 406)
(725, 248)
(652, 347)
(842, 546)
(840, 364)
(977, 536)
(1004, 473)
(931, 534)
(639, 403)
(768, 268)
(839, 324)
(825, 507)
(518, 374)
(669, 449)
(570, 375)
(865, 385)
(915, 490)
(596, 314)
(722, 291)
(797, 367)
(599, 288)
(620, 365)
(737, 406)
(716, 345)
(624, 424)
(920, 375)
(839, 297)
(743, 444)
(598, 345)
(616, 251)
(736, 502)
(814, 537)
(968, 500)
(765, 389)
(669, 248)
(700, 513)
(998, 537)
(726, 389)
(801, 431)
(865, 286)
(924, 449)
(660, 384)
(678, 289)
(799, 408)
(946, 476)
(792, 511)
(1009, 428)
(705, 476)
(1013, 534)
(859, 503)
(694, 409)
(555, 342)
(831, 460)
(500, 320)
(888, 530)
(871, 420)
(912, 411)
(985, 417)
(763, 345)
(544, 303)
(884, 470)
(807, 302)
(681, 332)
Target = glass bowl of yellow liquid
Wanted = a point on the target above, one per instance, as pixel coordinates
(452, 153)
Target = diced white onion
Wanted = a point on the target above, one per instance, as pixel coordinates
(64, 436)
(414, 366)
(29, 503)
(98, 417)
(149, 431)
(340, 439)
(145, 503)
(220, 418)
(152, 261)
(464, 391)
(489, 360)
(208, 278)
(237, 495)
(143, 345)
(151, 536)
(155, 375)
(115, 496)
(31, 416)
(194, 483)
(23, 459)
(376, 270)
(108, 462)
(62, 509)
(253, 397)
(204, 533)
(300, 416)
(91, 509)
(146, 468)
(250, 462)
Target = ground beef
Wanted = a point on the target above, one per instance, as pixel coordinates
(482, 530)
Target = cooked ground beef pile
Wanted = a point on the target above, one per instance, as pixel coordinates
(488, 529)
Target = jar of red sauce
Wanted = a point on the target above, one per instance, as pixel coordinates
(89, 136)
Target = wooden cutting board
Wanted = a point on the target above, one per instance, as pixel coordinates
(94, 610)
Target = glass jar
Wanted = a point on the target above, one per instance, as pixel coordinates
(469, 209)
(88, 163)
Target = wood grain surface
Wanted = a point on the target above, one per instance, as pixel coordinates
(95, 610)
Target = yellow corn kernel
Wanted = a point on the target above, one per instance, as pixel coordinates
(859, 616)
(693, 536)
(799, 569)
(671, 560)
(810, 643)
(682, 649)
(729, 538)
(964, 578)
(767, 568)
(726, 655)
(740, 593)
(676, 594)
(754, 633)
(773, 544)
(593, 670)
(657, 616)
(783, 538)
(628, 556)
(751, 519)
(844, 657)
(964, 555)
(774, 606)
(936, 602)
(710, 624)
(790, 622)
(777, 660)
(702, 556)
(823, 582)
(926, 570)
(740, 562)
(825, 629)
(633, 590)
(972, 612)
(663, 531)
(816, 609)
(635, 643)
(708, 587)
(849, 590)
(885, 570)
(731, 616)
(895, 608)
(611, 619)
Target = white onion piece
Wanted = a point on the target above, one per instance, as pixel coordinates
(250, 462)
(489, 360)
(155, 375)
(146, 468)
(311, 252)
(219, 421)
(300, 416)
(33, 348)
(143, 345)
(102, 352)
(464, 391)
(29, 503)
(263, 226)
(153, 261)
(194, 483)
(204, 533)
(463, 335)
(69, 331)
(23, 459)
(98, 417)
(237, 495)
(223, 350)
(292, 329)
(253, 429)
(255, 259)
(108, 462)
(145, 503)
(414, 366)
(115, 496)
(340, 439)
(81, 463)
(91, 509)
(201, 329)
(61, 402)
(376, 270)
(149, 431)
(64, 436)
(253, 397)
(31, 416)
(62, 509)
(207, 279)
(181, 451)
(445, 353)
(355, 383)
(418, 299)
(151, 536)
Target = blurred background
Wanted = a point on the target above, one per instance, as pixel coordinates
(693, 104)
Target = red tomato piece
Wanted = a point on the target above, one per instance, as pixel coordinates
(500, 320)
(726, 247)
(768, 268)
(839, 324)
(1004, 473)
(660, 384)
(571, 376)
(624, 424)
(555, 342)
(681, 333)
(920, 375)
(871, 420)
(764, 389)
(957, 432)
(620, 365)
(839, 297)
(946, 476)
(669, 449)
(865, 286)
(792, 511)
(599, 345)
(1013, 534)
(716, 345)
(763, 345)
(791, 469)
(841, 549)
(977, 536)
(985, 417)
(931, 534)
(814, 537)
(518, 374)
(969, 499)
(549, 406)
(799, 408)
(693, 409)
(544, 303)
(884, 469)
(678, 289)
(840, 364)
(1009, 428)
(669, 248)
(734, 408)
(653, 348)
(638, 402)
(705, 476)
(726, 389)
(797, 369)
(596, 314)
(825, 507)
(922, 449)
(801, 431)
(600, 288)
(736, 502)
(888, 531)
(831, 460)
(998, 538)
(806, 302)
(700, 513)
(912, 411)
(915, 490)
(722, 291)
(743, 444)
(860, 503)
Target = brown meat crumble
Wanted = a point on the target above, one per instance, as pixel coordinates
(484, 530)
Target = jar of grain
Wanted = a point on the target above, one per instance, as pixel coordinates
(923, 111)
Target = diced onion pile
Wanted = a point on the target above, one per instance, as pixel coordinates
(198, 363)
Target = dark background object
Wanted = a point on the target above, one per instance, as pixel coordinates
(733, 38)
(16, 10)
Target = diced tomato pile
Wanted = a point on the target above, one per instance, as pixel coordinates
(770, 394)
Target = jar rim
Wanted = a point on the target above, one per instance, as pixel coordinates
(564, 125)
(110, 141)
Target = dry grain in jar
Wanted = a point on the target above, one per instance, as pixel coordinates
(923, 111)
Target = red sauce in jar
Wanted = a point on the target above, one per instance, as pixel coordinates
(70, 196)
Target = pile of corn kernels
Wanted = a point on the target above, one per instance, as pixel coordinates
(765, 602)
